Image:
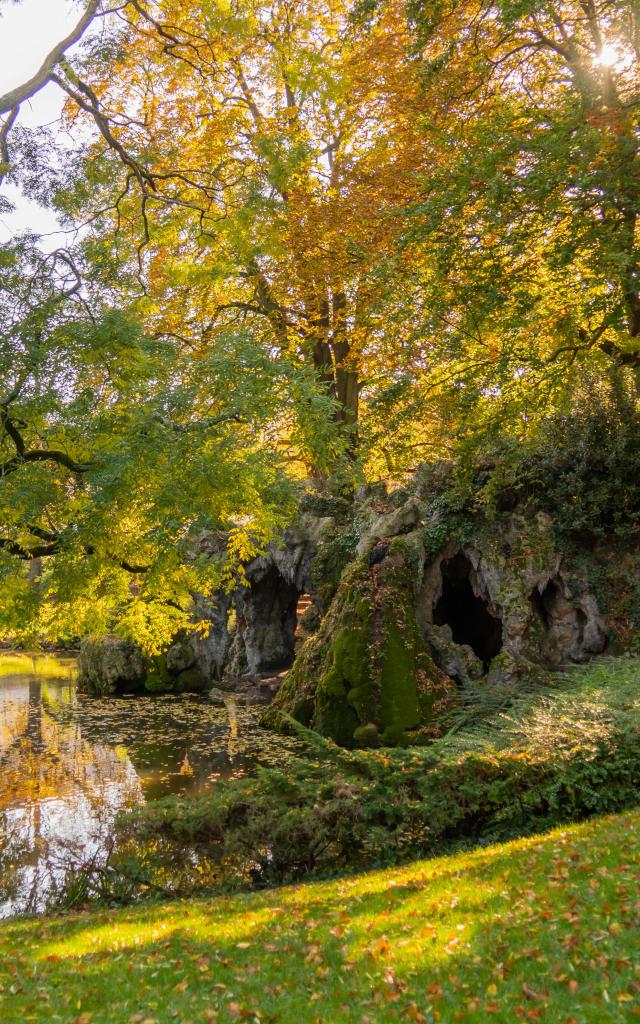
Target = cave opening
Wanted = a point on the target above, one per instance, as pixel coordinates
(468, 615)
(544, 601)
(271, 613)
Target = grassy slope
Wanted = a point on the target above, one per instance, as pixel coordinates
(538, 929)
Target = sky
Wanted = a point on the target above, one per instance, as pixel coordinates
(28, 32)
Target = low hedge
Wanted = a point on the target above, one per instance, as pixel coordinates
(553, 757)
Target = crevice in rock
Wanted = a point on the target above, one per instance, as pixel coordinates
(466, 613)
(544, 601)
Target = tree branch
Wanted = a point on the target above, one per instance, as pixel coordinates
(23, 455)
(4, 142)
(213, 421)
(15, 97)
(27, 554)
(53, 545)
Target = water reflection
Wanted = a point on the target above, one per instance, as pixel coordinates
(69, 763)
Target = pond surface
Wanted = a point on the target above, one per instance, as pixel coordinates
(69, 763)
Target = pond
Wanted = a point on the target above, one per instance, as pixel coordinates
(69, 763)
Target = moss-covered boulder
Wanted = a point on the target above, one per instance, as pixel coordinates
(111, 665)
(366, 677)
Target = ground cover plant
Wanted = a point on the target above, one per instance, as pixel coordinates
(513, 763)
(540, 929)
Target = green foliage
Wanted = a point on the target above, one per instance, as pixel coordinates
(121, 454)
(522, 243)
(550, 757)
(581, 466)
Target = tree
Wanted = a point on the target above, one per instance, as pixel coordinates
(121, 456)
(264, 165)
(526, 239)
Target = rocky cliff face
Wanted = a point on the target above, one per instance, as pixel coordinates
(405, 607)
(428, 607)
(252, 631)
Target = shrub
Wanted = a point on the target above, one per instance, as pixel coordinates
(582, 467)
(554, 756)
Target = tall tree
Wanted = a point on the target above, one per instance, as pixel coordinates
(120, 455)
(263, 165)
(527, 233)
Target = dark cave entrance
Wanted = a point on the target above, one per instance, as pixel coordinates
(271, 613)
(468, 616)
(545, 601)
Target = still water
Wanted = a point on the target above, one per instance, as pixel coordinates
(69, 763)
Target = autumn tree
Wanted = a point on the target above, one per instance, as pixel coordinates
(268, 150)
(525, 241)
(122, 447)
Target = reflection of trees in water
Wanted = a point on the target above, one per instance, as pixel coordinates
(68, 763)
(58, 791)
(45, 757)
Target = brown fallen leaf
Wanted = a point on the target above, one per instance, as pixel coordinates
(530, 993)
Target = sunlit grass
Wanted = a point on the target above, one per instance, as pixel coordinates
(544, 928)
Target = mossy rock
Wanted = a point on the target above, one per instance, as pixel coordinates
(159, 679)
(191, 680)
(335, 552)
(365, 678)
(110, 665)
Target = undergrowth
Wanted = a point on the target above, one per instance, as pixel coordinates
(542, 758)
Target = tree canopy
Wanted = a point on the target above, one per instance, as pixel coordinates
(315, 244)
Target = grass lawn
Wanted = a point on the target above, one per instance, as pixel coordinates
(542, 929)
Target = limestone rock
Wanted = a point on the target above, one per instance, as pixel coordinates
(391, 524)
(110, 665)
(366, 678)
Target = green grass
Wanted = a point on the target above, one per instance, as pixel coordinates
(542, 929)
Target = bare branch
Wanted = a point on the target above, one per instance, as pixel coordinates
(15, 97)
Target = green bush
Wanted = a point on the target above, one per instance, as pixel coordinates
(554, 756)
(582, 467)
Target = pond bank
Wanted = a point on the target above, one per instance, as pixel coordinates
(70, 762)
(505, 933)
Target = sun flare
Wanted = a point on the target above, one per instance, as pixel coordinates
(609, 56)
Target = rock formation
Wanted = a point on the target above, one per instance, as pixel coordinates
(406, 606)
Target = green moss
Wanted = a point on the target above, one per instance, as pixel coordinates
(366, 677)
(400, 706)
(159, 679)
(367, 736)
(191, 680)
(335, 552)
(410, 546)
